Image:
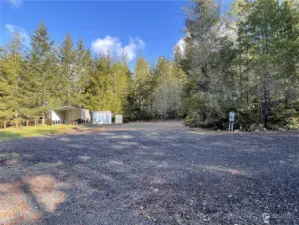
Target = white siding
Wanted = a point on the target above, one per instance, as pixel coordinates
(85, 115)
(55, 115)
(102, 117)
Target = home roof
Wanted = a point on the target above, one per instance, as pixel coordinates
(103, 111)
(66, 108)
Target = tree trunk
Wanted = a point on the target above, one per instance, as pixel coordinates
(43, 119)
(265, 105)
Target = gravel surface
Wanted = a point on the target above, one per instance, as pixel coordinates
(151, 173)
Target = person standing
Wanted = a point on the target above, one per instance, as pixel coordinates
(231, 121)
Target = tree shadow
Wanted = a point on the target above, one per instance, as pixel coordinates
(173, 178)
(30, 198)
(4, 135)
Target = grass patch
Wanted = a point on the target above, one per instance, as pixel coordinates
(24, 132)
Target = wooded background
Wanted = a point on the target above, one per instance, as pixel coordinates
(246, 60)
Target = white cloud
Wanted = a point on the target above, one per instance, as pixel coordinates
(105, 45)
(10, 28)
(179, 47)
(16, 2)
(114, 46)
(23, 34)
(181, 44)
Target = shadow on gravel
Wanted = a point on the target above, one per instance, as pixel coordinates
(8, 134)
(148, 177)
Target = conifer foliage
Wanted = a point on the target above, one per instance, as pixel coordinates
(245, 61)
(46, 75)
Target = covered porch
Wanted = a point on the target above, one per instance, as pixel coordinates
(70, 115)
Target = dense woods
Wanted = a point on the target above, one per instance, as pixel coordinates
(246, 60)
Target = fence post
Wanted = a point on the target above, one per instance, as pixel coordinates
(17, 123)
(27, 122)
(35, 122)
(4, 124)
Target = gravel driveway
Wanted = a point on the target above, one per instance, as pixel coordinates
(151, 173)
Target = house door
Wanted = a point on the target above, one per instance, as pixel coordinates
(102, 118)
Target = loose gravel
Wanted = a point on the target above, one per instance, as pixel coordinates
(151, 173)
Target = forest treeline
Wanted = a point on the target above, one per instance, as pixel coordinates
(245, 60)
(44, 76)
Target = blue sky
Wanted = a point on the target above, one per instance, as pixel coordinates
(138, 28)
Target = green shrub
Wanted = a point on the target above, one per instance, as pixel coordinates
(292, 123)
(192, 120)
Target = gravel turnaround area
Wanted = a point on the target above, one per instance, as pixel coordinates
(151, 173)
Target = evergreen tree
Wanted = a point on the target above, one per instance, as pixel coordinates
(67, 66)
(267, 37)
(246, 63)
(143, 90)
(42, 69)
(169, 84)
(12, 96)
(82, 70)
